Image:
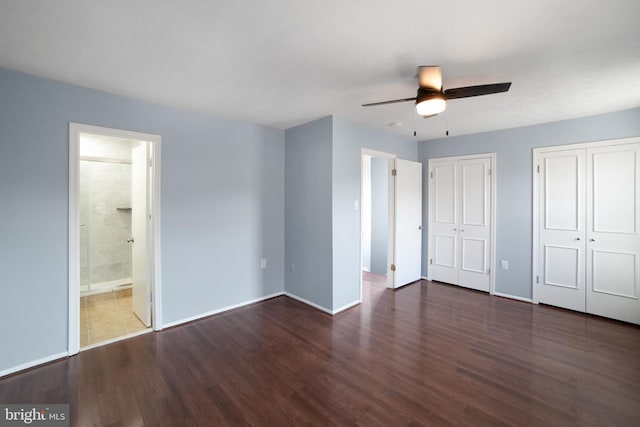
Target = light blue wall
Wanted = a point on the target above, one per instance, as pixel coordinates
(379, 214)
(348, 140)
(308, 264)
(514, 156)
(322, 225)
(222, 208)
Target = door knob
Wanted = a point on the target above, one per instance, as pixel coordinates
(419, 227)
(462, 229)
(592, 240)
(577, 238)
(130, 240)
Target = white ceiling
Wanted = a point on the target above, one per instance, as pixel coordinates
(285, 62)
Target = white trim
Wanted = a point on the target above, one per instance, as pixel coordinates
(73, 337)
(116, 339)
(220, 310)
(33, 363)
(494, 205)
(306, 301)
(346, 307)
(493, 166)
(535, 261)
(75, 129)
(500, 294)
(424, 278)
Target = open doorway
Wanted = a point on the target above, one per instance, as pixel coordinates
(375, 227)
(113, 235)
(391, 220)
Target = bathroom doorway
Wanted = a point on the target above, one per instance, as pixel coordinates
(113, 235)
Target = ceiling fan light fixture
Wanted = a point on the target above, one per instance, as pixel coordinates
(429, 104)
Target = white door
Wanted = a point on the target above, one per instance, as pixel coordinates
(613, 244)
(443, 222)
(562, 229)
(460, 193)
(140, 273)
(475, 223)
(407, 222)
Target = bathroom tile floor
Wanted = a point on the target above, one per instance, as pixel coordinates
(107, 316)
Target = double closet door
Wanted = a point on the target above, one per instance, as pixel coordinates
(460, 220)
(589, 237)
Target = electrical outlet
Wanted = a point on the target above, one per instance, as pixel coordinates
(263, 263)
(504, 264)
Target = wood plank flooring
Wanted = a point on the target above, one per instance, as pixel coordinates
(426, 354)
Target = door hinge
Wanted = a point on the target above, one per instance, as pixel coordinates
(431, 174)
(488, 271)
(490, 171)
(394, 172)
(430, 261)
(538, 169)
(537, 279)
(150, 162)
(393, 267)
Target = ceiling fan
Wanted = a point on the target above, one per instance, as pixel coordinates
(432, 100)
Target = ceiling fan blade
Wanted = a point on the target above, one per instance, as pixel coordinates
(469, 91)
(430, 77)
(389, 102)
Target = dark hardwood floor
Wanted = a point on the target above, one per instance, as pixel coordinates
(426, 354)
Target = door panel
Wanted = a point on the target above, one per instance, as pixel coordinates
(475, 229)
(474, 255)
(562, 266)
(613, 203)
(445, 249)
(562, 229)
(140, 274)
(443, 215)
(474, 192)
(408, 222)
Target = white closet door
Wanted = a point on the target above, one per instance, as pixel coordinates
(475, 223)
(562, 229)
(443, 218)
(613, 205)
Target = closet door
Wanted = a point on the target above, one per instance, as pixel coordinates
(460, 221)
(475, 223)
(443, 222)
(562, 229)
(613, 206)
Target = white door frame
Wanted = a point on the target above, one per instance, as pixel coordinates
(492, 253)
(75, 129)
(390, 255)
(535, 285)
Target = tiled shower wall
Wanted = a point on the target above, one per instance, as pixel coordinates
(105, 222)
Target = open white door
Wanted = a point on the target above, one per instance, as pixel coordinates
(139, 230)
(407, 228)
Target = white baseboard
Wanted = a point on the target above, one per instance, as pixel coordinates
(346, 307)
(321, 308)
(33, 363)
(306, 301)
(220, 310)
(500, 294)
(424, 277)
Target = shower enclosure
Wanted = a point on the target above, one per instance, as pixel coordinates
(105, 215)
